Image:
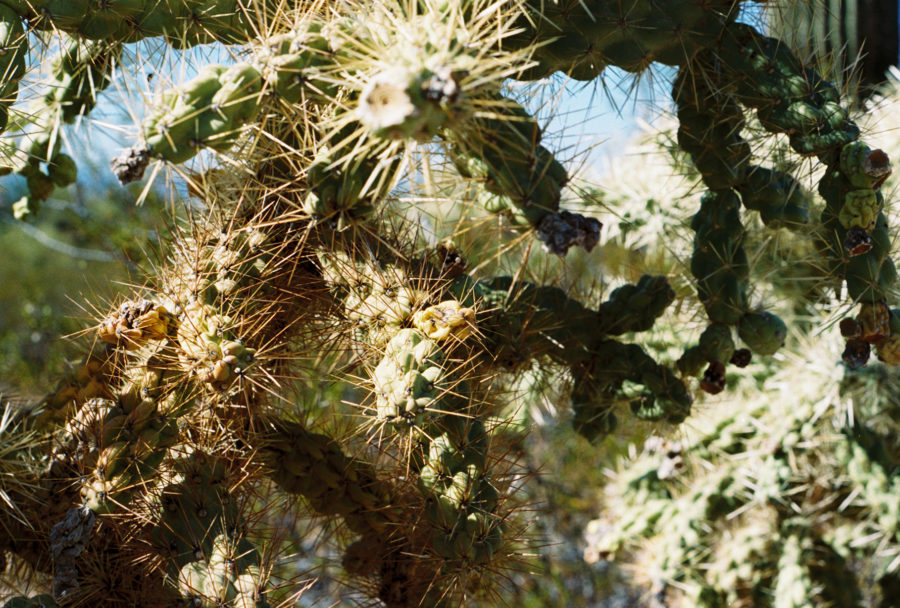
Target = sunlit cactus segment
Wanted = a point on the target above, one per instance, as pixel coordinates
(505, 154)
(411, 380)
(313, 465)
(81, 71)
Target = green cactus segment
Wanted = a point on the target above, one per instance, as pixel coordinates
(709, 129)
(200, 531)
(300, 62)
(623, 374)
(80, 73)
(183, 23)
(716, 347)
(412, 384)
(520, 322)
(793, 99)
(635, 308)
(314, 466)
(710, 121)
(193, 118)
(229, 577)
(581, 39)
(209, 111)
(869, 271)
(14, 44)
(789, 97)
(762, 332)
(719, 262)
(460, 501)
(780, 200)
(521, 178)
(349, 194)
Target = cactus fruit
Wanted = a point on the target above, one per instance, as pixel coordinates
(185, 443)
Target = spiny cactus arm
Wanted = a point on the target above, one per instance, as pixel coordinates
(519, 176)
(619, 375)
(582, 39)
(782, 202)
(520, 322)
(741, 514)
(635, 307)
(791, 98)
(183, 23)
(313, 465)
(201, 532)
(709, 129)
(461, 502)
(208, 111)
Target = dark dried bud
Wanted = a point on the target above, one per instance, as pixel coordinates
(130, 165)
(850, 328)
(741, 357)
(857, 242)
(877, 166)
(856, 354)
(713, 381)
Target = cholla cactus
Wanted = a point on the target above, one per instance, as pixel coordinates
(780, 503)
(172, 450)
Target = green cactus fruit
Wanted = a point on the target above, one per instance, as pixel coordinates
(861, 208)
(62, 170)
(762, 332)
(863, 167)
(716, 343)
